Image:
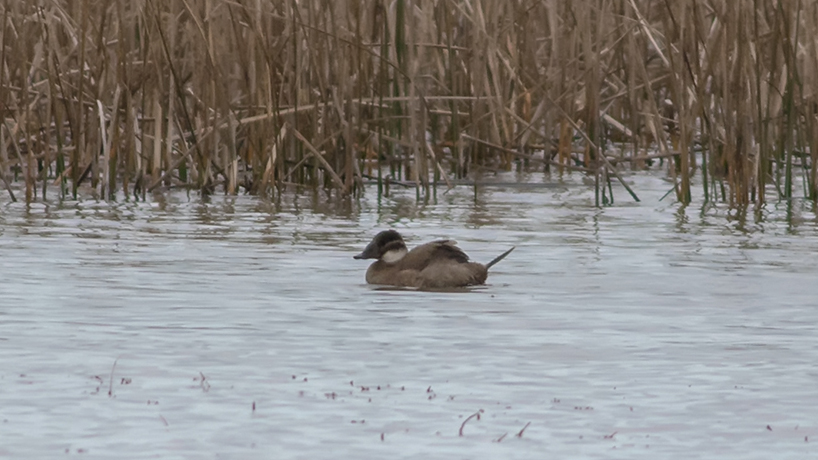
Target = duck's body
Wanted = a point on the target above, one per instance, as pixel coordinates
(435, 265)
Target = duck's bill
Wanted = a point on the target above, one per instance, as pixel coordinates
(370, 252)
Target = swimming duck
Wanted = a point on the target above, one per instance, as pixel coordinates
(439, 264)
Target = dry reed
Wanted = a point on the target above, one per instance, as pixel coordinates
(251, 95)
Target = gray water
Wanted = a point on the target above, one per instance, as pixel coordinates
(238, 327)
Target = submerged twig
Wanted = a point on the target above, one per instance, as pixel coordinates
(476, 414)
(520, 434)
(111, 380)
(204, 383)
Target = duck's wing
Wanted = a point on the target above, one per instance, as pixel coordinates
(436, 251)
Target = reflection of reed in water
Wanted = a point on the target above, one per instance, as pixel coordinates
(251, 97)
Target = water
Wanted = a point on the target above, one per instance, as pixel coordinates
(643, 330)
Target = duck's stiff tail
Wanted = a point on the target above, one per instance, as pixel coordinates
(499, 258)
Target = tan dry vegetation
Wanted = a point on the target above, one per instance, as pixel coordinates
(252, 95)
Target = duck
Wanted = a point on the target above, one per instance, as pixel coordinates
(436, 265)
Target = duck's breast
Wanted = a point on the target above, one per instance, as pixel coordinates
(392, 275)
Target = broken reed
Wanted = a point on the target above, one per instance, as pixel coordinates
(250, 95)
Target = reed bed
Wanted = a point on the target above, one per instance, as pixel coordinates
(249, 96)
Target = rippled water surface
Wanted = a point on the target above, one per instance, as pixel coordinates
(240, 327)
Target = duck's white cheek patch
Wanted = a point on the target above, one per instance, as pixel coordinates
(393, 256)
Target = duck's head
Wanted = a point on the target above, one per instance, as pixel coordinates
(387, 246)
